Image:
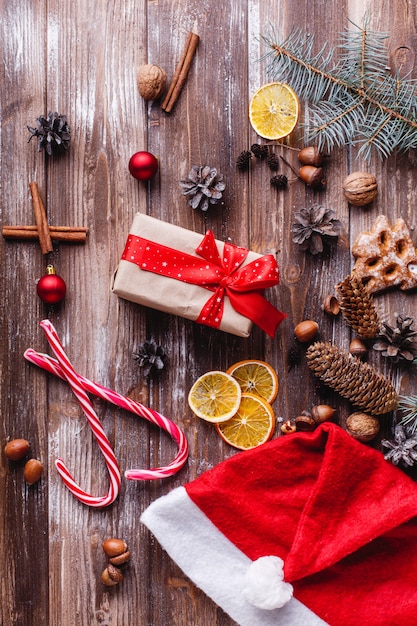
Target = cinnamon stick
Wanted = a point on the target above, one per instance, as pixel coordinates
(41, 220)
(181, 72)
(74, 234)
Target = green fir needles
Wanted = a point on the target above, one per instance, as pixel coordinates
(353, 96)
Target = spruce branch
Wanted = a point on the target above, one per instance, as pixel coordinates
(353, 99)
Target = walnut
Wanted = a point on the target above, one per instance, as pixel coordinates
(151, 80)
(360, 188)
(362, 426)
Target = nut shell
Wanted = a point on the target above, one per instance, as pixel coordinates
(121, 559)
(305, 423)
(331, 305)
(32, 471)
(151, 81)
(16, 449)
(360, 188)
(362, 426)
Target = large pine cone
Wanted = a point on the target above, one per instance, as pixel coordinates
(354, 380)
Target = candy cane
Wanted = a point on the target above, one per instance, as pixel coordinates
(69, 374)
(52, 366)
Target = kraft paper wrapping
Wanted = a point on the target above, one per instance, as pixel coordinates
(166, 294)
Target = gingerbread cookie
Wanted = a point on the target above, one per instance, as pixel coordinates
(386, 257)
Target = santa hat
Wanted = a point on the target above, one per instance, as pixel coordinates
(311, 528)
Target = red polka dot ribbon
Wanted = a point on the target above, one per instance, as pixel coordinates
(222, 274)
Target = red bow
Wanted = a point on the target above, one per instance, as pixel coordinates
(243, 285)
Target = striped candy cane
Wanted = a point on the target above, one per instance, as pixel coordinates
(54, 367)
(70, 375)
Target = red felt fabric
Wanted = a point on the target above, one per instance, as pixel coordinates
(340, 516)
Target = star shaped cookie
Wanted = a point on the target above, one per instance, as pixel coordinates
(386, 257)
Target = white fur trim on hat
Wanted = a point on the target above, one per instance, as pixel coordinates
(214, 563)
(264, 583)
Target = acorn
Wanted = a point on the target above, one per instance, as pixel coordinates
(310, 155)
(306, 330)
(322, 413)
(358, 348)
(16, 449)
(312, 176)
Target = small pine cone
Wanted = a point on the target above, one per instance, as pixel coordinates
(358, 307)
(354, 380)
(259, 151)
(273, 162)
(280, 181)
(243, 160)
(52, 133)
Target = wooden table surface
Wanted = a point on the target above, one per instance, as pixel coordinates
(80, 58)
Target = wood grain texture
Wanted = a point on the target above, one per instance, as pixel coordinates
(81, 59)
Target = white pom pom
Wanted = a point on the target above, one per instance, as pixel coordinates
(265, 587)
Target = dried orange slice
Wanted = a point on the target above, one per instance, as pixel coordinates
(252, 424)
(256, 377)
(215, 396)
(274, 111)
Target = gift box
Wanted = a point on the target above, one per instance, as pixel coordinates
(178, 271)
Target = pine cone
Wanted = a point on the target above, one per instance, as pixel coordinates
(314, 227)
(273, 162)
(280, 181)
(358, 307)
(151, 357)
(204, 186)
(398, 343)
(403, 449)
(243, 160)
(354, 380)
(259, 151)
(52, 132)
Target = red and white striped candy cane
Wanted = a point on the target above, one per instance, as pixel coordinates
(73, 380)
(52, 366)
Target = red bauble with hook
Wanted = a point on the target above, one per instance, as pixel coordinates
(51, 288)
(143, 165)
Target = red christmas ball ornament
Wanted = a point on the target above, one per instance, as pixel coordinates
(51, 288)
(143, 165)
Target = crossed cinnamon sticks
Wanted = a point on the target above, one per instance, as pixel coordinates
(42, 230)
(181, 73)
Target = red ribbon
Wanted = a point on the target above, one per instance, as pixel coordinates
(243, 285)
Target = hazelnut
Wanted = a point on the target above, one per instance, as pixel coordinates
(362, 426)
(151, 80)
(107, 580)
(32, 471)
(322, 413)
(115, 573)
(114, 547)
(358, 348)
(331, 305)
(306, 330)
(16, 449)
(288, 427)
(305, 422)
(310, 155)
(360, 188)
